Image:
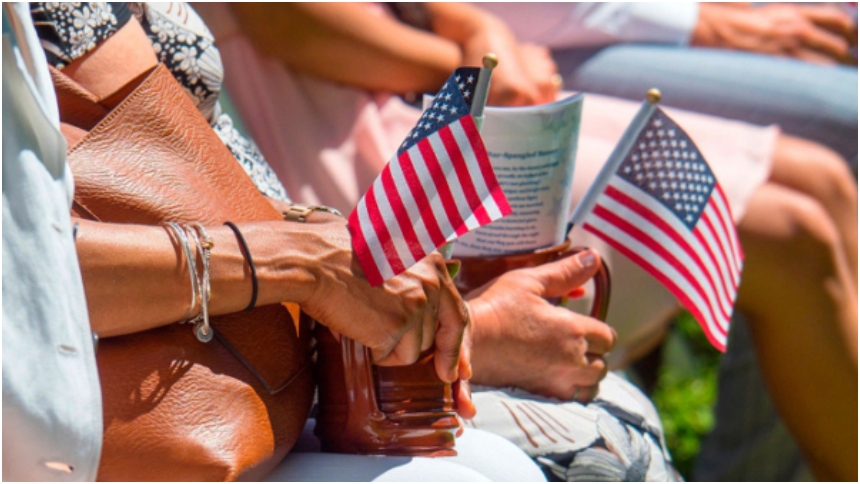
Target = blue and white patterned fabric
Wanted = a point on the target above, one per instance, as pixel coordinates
(616, 437)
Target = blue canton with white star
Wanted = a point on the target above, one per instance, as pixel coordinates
(667, 165)
(451, 103)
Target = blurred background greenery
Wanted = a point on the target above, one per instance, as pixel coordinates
(686, 390)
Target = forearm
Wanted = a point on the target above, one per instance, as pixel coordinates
(348, 43)
(136, 276)
(525, 72)
(815, 33)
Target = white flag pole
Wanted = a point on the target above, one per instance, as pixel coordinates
(482, 88)
(652, 97)
(479, 101)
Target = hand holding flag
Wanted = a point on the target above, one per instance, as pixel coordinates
(657, 202)
(438, 186)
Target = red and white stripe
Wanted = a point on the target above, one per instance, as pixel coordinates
(701, 267)
(437, 190)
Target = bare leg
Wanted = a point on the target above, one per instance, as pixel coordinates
(821, 173)
(802, 305)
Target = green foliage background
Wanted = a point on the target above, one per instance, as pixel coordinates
(686, 391)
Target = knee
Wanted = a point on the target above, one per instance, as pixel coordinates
(838, 182)
(818, 171)
(791, 240)
(814, 238)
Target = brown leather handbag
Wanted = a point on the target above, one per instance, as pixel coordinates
(176, 408)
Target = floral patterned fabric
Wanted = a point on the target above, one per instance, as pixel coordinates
(181, 42)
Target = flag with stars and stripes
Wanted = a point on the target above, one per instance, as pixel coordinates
(664, 210)
(438, 186)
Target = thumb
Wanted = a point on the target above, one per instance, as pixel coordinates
(453, 324)
(562, 276)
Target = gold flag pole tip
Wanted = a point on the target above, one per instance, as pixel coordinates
(653, 95)
(490, 60)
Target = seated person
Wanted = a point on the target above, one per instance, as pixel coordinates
(132, 284)
(764, 64)
(52, 419)
(789, 196)
(777, 63)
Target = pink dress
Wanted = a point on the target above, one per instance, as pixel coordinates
(327, 143)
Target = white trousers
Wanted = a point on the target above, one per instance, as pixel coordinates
(481, 457)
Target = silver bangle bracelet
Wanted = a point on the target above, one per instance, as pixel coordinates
(202, 330)
(179, 233)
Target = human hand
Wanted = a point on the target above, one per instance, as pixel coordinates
(396, 320)
(542, 70)
(815, 33)
(461, 389)
(520, 339)
(525, 74)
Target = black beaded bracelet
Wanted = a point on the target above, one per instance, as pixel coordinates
(250, 260)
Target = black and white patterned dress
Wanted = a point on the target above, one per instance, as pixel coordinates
(180, 40)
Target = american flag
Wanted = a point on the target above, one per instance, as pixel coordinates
(664, 210)
(438, 186)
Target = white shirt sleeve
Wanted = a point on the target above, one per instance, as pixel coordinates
(559, 25)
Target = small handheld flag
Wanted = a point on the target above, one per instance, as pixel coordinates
(438, 186)
(657, 202)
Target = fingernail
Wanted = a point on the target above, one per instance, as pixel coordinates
(587, 259)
